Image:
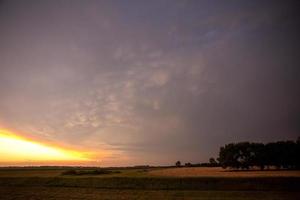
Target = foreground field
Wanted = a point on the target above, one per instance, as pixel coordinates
(154, 183)
(62, 193)
(219, 172)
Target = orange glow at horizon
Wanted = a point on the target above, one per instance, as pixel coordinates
(14, 148)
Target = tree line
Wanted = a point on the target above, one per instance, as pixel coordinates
(211, 163)
(245, 155)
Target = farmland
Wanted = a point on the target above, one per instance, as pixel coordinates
(95, 194)
(150, 183)
(219, 172)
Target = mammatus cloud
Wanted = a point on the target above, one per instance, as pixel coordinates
(150, 88)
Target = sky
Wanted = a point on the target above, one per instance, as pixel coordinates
(142, 82)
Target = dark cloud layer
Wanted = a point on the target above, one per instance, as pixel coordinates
(152, 81)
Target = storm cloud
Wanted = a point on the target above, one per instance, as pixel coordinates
(150, 81)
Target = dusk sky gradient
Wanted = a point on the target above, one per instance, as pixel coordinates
(150, 82)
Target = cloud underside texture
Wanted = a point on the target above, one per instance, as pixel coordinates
(150, 81)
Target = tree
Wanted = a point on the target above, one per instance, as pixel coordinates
(258, 155)
(228, 156)
(213, 162)
(188, 164)
(298, 153)
(282, 154)
(178, 164)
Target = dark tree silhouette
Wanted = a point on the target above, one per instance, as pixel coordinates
(243, 155)
(213, 162)
(178, 164)
(188, 164)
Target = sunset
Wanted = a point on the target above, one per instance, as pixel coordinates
(149, 99)
(14, 149)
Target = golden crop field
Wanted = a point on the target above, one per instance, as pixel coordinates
(153, 183)
(219, 172)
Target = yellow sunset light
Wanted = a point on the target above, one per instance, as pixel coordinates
(17, 149)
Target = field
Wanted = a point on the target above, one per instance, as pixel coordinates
(151, 183)
(63, 193)
(219, 172)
